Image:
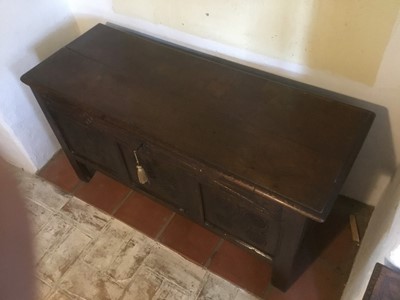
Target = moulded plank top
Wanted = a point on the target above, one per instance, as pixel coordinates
(289, 142)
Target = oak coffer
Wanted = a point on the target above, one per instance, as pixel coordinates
(249, 155)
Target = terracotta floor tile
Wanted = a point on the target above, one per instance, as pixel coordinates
(70, 235)
(189, 239)
(241, 267)
(332, 240)
(85, 217)
(103, 192)
(217, 288)
(144, 214)
(175, 269)
(43, 290)
(55, 263)
(86, 282)
(341, 251)
(319, 281)
(60, 172)
(330, 250)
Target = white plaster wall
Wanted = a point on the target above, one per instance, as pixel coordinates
(30, 31)
(12, 151)
(381, 152)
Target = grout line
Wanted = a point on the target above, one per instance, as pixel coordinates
(267, 290)
(160, 233)
(216, 248)
(202, 285)
(76, 187)
(121, 202)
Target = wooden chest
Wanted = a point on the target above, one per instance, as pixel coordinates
(247, 154)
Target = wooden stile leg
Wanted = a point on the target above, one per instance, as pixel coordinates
(293, 226)
(83, 172)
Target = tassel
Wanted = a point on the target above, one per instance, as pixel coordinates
(141, 173)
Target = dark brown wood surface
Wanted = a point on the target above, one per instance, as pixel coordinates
(247, 154)
(384, 284)
(290, 144)
(293, 144)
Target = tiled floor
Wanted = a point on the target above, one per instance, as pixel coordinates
(84, 253)
(326, 257)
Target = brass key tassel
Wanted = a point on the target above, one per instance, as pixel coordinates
(141, 173)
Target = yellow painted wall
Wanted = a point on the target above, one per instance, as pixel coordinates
(344, 37)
